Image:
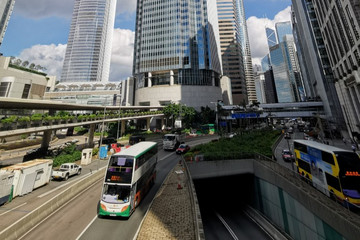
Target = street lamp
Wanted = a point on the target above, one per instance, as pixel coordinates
(101, 136)
(117, 133)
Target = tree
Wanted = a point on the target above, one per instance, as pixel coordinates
(17, 62)
(25, 64)
(32, 66)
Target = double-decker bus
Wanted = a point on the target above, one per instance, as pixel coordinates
(129, 176)
(333, 171)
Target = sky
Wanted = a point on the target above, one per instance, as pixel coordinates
(38, 32)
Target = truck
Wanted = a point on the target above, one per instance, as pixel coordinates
(171, 141)
(28, 176)
(66, 170)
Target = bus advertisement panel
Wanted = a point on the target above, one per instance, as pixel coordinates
(333, 171)
(129, 176)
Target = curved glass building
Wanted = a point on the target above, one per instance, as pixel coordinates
(176, 45)
(88, 52)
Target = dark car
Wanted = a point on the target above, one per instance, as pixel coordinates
(287, 155)
(135, 139)
(108, 141)
(183, 148)
(287, 136)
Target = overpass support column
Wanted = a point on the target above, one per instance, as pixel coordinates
(123, 124)
(162, 123)
(90, 141)
(46, 139)
(148, 124)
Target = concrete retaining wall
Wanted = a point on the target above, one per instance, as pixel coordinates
(335, 215)
(27, 222)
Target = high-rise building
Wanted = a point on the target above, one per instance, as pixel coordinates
(265, 63)
(339, 23)
(271, 37)
(282, 29)
(231, 51)
(88, 52)
(314, 61)
(245, 44)
(177, 54)
(6, 7)
(280, 69)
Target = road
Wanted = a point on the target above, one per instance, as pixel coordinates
(78, 219)
(222, 204)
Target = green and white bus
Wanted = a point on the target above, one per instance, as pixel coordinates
(129, 176)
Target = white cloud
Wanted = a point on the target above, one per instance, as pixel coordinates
(122, 54)
(52, 56)
(49, 56)
(257, 36)
(64, 8)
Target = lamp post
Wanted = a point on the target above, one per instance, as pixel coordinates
(117, 133)
(101, 136)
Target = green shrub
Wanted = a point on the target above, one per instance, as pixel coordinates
(24, 119)
(36, 117)
(10, 119)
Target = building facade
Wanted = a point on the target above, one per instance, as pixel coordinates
(231, 50)
(177, 55)
(283, 29)
(315, 65)
(249, 73)
(339, 23)
(6, 8)
(88, 52)
(271, 37)
(22, 83)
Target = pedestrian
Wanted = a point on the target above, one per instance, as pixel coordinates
(344, 140)
(353, 147)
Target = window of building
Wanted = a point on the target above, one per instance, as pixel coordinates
(26, 91)
(4, 89)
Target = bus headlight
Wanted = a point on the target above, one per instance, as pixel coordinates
(125, 208)
(103, 207)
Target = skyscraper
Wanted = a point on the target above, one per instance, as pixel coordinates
(271, 37)
(249, 73)
(314, 61)
(88, 52)
(282, 29)
(339, 23)
(6, 7)
(177, 53)
(231, 50)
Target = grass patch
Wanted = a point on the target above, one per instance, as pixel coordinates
(239, 147)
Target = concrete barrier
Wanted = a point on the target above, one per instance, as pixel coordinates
(27, 222)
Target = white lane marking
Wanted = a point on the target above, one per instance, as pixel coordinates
(13, 209)
(167, 156)
(65, 184)
(227, 227)
(86, 228)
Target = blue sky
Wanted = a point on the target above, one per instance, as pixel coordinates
(37, 25)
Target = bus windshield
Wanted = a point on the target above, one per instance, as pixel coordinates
(349, 164)
(120, 169)
(116, 193)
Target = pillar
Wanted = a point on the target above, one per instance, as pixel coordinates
(171, 77)
(46, 139)
(90, 141)
(148, 123)
(162, 123)
(149, 79)
(123, 124)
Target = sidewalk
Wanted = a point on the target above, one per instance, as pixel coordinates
(171, 213)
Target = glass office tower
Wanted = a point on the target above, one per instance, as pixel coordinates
(88, 52)
(249, 73)
(6, 7)
(271, 37)
(282, 29)
(280, 70)
(231, 50)
(176, 42)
